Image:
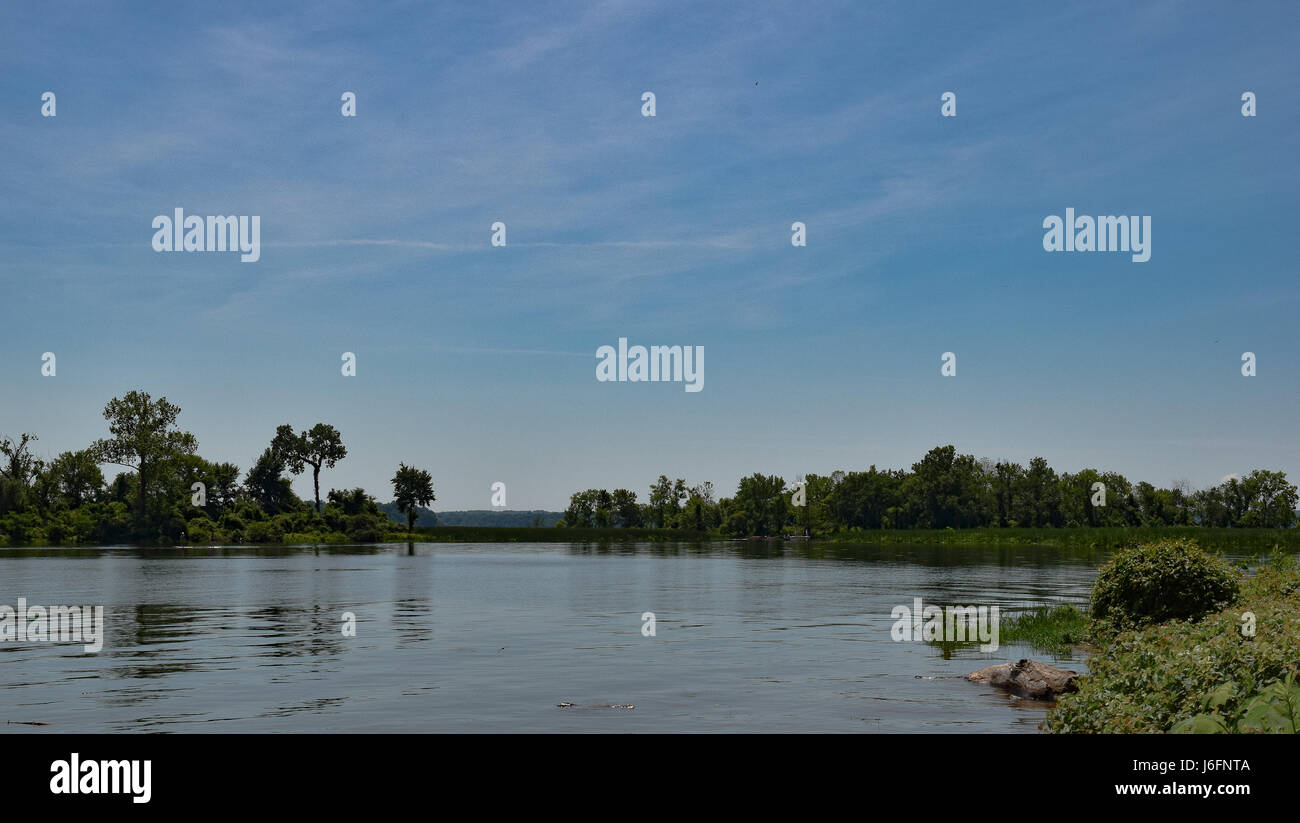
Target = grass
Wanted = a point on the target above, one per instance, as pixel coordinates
(1096, 538)
(1055, 630)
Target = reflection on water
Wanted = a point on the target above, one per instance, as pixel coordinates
(750, 636)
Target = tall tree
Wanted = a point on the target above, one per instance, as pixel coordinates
(603, 516)
(763, 499)
(582, 509)
(18, 468)
(1040, 495)
(267, 485)
(665, 497)
(144, 436)
(77, 477)
(626, 509)
(320, 446)
(1272, 500)
(412, 488)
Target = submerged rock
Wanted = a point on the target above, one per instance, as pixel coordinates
(1028, 678)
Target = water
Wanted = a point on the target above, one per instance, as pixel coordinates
(491, 637)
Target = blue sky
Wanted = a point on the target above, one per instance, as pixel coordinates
(478, 363)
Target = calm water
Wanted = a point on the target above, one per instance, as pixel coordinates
(490, 637)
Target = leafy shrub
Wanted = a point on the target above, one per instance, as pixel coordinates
(263, 531)
(199, 530)
(314, 538)
(1273, 709)
(1196, 676)
(22, 529)
(1161, 581)
(365, 528)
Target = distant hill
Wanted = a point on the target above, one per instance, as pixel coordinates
(477, 517)
(426, 516)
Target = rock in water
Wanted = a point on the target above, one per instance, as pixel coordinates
(1028, 678)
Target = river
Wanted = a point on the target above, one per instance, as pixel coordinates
(494, 637)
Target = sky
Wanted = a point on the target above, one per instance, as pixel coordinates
(924, 235)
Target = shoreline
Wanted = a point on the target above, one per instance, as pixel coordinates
(1067, 537)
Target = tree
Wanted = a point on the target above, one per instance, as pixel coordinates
(1272, 500)
(626, 510)
(412, 488)
(267, 485)
(1040, 496)
(220, 485)
(144, 436)
(18, 469)
(321, 446)
(582, 509)
(1076, 497)
(604, 511)
(76, 477)
(665, 495)
(812, 515)
(869, 500)
(763, 499)
(1121, 507)
(353, 502)
(1006, 482)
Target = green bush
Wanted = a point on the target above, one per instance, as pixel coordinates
(1204, 676)
(199, 530)
(365, 528)
(314, 538)
(263, 531)
(1161, 581)
(1274, 709)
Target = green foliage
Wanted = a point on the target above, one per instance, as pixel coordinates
(1197, 676)
(267, 486)
(764, 500)
(366, 528)
(665, 501)
(263, 531)
(1165, 580)
(356, 501)
(321, 446)
(144, 439)
(946, 490)
(947, 497)
(1274, 709)
(1055, 630)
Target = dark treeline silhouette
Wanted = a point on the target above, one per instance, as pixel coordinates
(169, 493)
(943, 490)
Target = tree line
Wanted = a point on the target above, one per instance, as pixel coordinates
(167, 491)
(942, 490)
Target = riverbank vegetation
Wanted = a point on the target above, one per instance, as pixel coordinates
(1172, 656)
(951, 498)
(167, 493)
(1057, 630)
